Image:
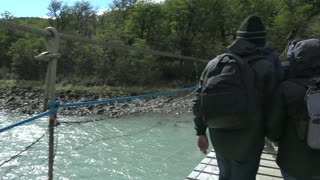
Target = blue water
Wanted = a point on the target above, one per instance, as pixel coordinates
(147, 146)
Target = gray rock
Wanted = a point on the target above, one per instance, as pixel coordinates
(30, 101)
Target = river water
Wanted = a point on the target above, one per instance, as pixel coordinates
(146, 146)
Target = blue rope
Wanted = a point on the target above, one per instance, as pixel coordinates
(126, 98)
(56, 105)
(28, 120)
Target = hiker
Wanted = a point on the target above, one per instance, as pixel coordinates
(288, 124)
(273, 57)
(288, 58)
(238, 145)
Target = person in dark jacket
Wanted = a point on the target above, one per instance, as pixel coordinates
(273, 57)
(287, 122)
(238, 151)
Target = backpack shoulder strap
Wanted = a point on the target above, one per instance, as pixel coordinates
(249, 59)
(234, 56)
(214, 63)
(211, 66)
(306, 83)
(248, 73)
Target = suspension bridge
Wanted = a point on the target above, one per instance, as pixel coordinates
(207, 169)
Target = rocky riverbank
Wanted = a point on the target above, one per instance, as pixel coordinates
(30, 101)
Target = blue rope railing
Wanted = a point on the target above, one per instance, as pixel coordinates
(126, 98)
(56, 105)
(28, 120)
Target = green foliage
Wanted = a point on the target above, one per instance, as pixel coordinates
(144, 21)
(198, 28)
(7, 15)
(23, 63)
(21, 83)
(312, 28)
(293, 15)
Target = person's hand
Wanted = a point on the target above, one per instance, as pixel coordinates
(202, 143)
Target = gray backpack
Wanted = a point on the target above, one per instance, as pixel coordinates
(312, 99)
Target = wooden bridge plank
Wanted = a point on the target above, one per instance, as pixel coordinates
(207, 169)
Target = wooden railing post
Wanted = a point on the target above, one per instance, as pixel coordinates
(51, 55)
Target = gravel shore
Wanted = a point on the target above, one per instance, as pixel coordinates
(30, 101)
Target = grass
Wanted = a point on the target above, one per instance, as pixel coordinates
(84, 89)
(20, 83)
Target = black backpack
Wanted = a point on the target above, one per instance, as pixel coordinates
(228, 93)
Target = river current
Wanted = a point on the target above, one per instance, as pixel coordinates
(145, 146)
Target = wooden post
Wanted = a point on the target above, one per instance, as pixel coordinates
(52, 118)
(52, 44)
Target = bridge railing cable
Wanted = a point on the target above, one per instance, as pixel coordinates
(52, 42)
(57, 105)
(125, 98)
(28, 120)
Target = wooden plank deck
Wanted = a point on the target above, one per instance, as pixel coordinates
(208, 169)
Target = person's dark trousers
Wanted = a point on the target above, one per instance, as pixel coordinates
(287, 176)
(237, 170)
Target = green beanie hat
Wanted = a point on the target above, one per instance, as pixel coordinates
(252, 30)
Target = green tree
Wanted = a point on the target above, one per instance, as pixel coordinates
(84, 18)
(145, 21)
(23, 63)
(293, 15)
(60, 15)
(7, 15)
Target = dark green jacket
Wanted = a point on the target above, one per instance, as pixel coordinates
(294, 155)
(247, 143)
